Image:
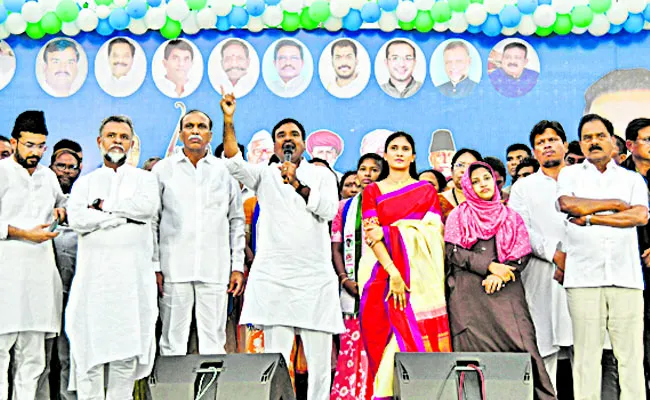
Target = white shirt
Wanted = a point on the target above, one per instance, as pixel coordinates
(534, 199)
(120, 87)
(30, 286)
(200, 225)
(169, 88)
(289, 89)
(292, 280)
(602, 255)
(348, 91)
(112, 311)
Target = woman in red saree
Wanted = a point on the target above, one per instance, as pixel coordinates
(401, 280)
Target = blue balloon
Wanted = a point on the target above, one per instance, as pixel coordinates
(634, 23)
(549, 2)
(370, 12)
(238, 17)
(104, 27)
(614, 29)
(527, 6)
(154, 3)
(646, 13)
(119, 19)
(14, 5)
(223, 24)
(137, 9)
(491, 27)
(353, 20)
(510, 16)
(388, 5)
(272, 2)
(3, 13)
(474, 28)
(255, 8)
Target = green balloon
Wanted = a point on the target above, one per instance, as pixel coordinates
(290, 22)
(103, 2)
(458, 5)
(563, 24)
(171, 29)
(406, 26)
(544, 31)
(600, 6)
(476, 1)
(67, 10)
(196, 4)
(34, 30)
(441, 11)
(423, 21)
(51, 23)
(319, 11)
(306, 21)
(581, 16)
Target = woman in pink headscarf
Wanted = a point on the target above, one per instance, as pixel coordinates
(486, 248)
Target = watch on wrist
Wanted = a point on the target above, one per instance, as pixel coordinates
(96, 204)
(588, 220)
(300, 186)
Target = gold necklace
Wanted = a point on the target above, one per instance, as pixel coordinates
(394, 182)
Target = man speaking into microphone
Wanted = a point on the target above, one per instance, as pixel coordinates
(292, 288)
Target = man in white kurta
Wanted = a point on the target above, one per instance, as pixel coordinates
(111, 313)
(292, 287)
(30, 284)
(201, 239)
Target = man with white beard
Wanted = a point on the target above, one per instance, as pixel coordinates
(111, 312)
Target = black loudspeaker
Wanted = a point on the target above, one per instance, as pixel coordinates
(437, 376)
(227, 377)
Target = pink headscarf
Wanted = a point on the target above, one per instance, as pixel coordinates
(484, 219)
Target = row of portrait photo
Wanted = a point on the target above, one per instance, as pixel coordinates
(287, 67)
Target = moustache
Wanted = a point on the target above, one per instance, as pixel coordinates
(595, 147)
(288, 67)
(192, 137)
(116, 146)
(235, 69)
(513, 64)
(62, 73)
(344, 66)
(120, 64)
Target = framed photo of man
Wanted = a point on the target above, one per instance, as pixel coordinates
(235, 66)
(344, 68)
(61, 67)
(177, 68)
(120, 66)
(400, 68)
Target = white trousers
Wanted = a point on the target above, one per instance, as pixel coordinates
(29, 363)
(210, 301)
(121, 378)
(550, 363)
(318, 352)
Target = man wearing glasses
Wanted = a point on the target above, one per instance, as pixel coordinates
(288, 59)
(30, 198)
(400, 62)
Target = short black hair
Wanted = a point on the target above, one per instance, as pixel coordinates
(234, 42)
(218, 152)
(343, 178)
(401, 41)
(67, 144)
(4, 139)
(516, 45)
(442, 181)
(29, 121)
(462, 151)
(543, 125)
(180, 123)
(620, 145)
(496, 165)
(574, 148)
(287, 42)
(527, 162)
(633, 128)
(517, 147)
(385, 170)
(123, 41)
(372, 156)
(288, 121)
(344, 43)
(180, 45)
(617, 80)
(595, 117)
(60, 44)
(322, 161)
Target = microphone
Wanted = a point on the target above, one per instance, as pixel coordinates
(288, 148)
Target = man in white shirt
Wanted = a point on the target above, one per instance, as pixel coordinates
(534, 199)
(292, 287)
(604, 203)
(178, 60)
(288, 59)
(111, 313)
(346, 82)
(29, 281)
(200, 231)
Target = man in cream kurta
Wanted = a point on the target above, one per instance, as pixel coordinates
(292, 287)
(29, 281)
(111, 312)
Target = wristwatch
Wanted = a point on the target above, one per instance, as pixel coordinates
(96, 204)
(300, 187)
(588, 220)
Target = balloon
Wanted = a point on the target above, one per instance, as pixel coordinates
(406, 11)
(223, 24)
(15, 6)
(120, 3)
(87, 20)
(526, 26)
(255, 24)
(510, 16)
(388, 5)
(171, 29)
(614, 29)
(543, 32)
(370, 12)
(104, 28)
(177, 10)
(103, 12)
(238, 17)
(527, 6)
(635, 6)
(272, 2)
(3, 13)
(255, 8)
(119, 19)
(137, 9)
(306, 22)
(339, 8)
(423, 4)
(34, 30)
(221, 8)
(544, 16)
(4, 33)
(67, 10)
(206, 18)
(600, 6)
(70, 29)
(563, 6)
(617, 13)
(476, 14)
(153, 3)
(441, 11)
(272, 16)
(540, 2)
(441, 27)
(406, 26)
(138, 26)
(491, 27)
(352, 21)
(508, 31)
(634, 23)
(458, 5)
(423, 21)
(103, 2)
(155, 18)
(493, 6)
(581, 16)
(388, 22)
(290, 21)
(319, 11)
(333, 24)
(646, 13)
(15, 24)
(599, 26)
(357, 4)
(578, 31)
(238, 3)
(473, 29)
(32, 13)
(458, 23)
(196, 4)
(291, 6)
(563, 24)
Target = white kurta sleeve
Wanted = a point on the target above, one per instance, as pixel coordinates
(83, 219)
(564, 185)
(4, 183)
(639, 195)
(144, 203)
(323, 199)
(237, 227)
(247, 174)
(155, 224)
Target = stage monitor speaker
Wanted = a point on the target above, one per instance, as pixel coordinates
(227, 377)
(437, 376)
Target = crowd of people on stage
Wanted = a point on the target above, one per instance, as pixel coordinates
(336, 275)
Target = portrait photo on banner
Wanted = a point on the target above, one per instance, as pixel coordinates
(374, 141)
(513, 67)
(177, 68)
(326, 145)
(7, 64)
(287, 67)
(120, 66)
(344, 68)
(61, 67)
(235, 66)
(400, 68)
(456, 68)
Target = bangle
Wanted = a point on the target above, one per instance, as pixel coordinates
(344, 280)
(342, 273)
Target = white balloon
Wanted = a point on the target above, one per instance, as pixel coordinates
(308, 3)
(646, 25)
(493, 6)
(189, 24)
(333, 24)
(293, 6)
(599, 26)
(388, 21)
(544, 16)
(511, 2)
(120, 3)
(617, 13)
(357, 4)
(32, 12)
(220, 7)
(339, 8)
(476, 14)
(4, 33)
(406, 11)
(581, 2)
(206, 18)
(527, 26)
(70, 28)
(441, 26)
(578, 31)
(458, 23)
(563, 6)
(138, 26)
(508, 31)
(15, 24)
(87, 20)
(238, 3)
(255, 24)
(178, 10)
(272, 16)
(155, 18)
(635, 6)
(424, 4)
(103, 11)
(50, 5)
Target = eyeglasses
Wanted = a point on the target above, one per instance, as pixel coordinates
(645, 140)
(400, 58)
(461, 164)
(31, 146)
(571, 161)
(291, 58)
(524, 174)
(65, 167)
